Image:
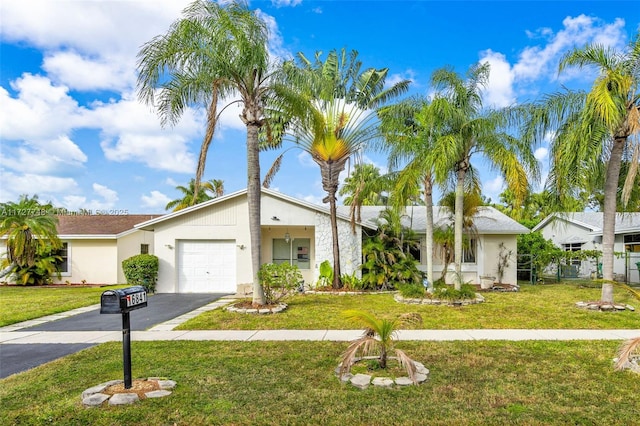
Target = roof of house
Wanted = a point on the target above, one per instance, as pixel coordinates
(99, 225)
(593, 221)
(148, 224)
(487, 221)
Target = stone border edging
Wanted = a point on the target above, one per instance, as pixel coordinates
(93, 397)
(426, 301)
(362, 381)
(274, 310)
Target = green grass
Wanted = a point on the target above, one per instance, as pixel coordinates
(24, 303)
(535, 306)
(292, 383)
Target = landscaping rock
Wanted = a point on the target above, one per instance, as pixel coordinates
(361, 381)
(157, 394)
(123, 399)
(404, 381)
(94, 400)
(421, 377)
(384, 382)
(629, 307)
(166, 384)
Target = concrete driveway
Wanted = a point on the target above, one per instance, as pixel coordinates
(15, 358)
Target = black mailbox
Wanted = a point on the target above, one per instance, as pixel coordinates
(123, 300)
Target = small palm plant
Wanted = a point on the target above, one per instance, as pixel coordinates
(629, 349)
(378, 338)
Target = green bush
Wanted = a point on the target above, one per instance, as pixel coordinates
(448, 292)
(412, 290)
(279, 280)
(325, 279)
(141, 269)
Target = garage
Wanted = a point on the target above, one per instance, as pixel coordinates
(206, 266)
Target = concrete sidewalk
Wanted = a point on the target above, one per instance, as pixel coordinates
(164, 331)
(95, 337)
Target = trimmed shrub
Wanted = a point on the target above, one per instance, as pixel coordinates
(278, 280)
(412, 290)
(141, 269)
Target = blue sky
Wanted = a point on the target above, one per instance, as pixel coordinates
(73, 132)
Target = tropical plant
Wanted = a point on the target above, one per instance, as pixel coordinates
(378, 339)
(541, 252)
(593, 129)
(388, 262)
(444, 234)
(342, 100)
(363, 187)
(210, 189)
(325, 277)
(31, 236)
(351, 282)
(279, 280)
(471, 129)
(215, 51)
(628, 351)
(409, 129)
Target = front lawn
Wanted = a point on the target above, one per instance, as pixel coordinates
(292, 383)
(20, 303)
(535, 306)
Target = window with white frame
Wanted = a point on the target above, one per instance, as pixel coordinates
(64, 262)
(469, 251)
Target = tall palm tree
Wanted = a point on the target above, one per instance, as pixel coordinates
(30, 229)
(341, 118)
(471, 130)
(214, 52)
(593, 128)
(210, 189)
(410, 129)
(364, 187)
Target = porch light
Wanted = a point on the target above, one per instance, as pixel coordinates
(287, 237)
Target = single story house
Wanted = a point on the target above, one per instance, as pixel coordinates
(492, 228)
(583, 231)
(206, 247)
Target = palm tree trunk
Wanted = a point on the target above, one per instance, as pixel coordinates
(334, 237)
(428, 202)
(457, 227)
(609, 216)
(204, 148)
(253, 201)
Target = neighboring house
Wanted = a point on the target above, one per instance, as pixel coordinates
(493, 228)
(94, 246)
(206, 248)
(583, 231)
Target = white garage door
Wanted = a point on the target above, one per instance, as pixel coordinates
(207, 267)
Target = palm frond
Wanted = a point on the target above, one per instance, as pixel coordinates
(626, 352)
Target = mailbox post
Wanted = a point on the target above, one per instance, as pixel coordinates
(123, 301)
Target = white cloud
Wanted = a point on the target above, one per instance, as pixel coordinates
(171, 182)
(109, 195)
(285, 3)
(155, 199)
(494, 187)
(40, 110)
(535, 61)
(499, 91)
(130, 132)
(397, 78)
(59, 156)
(84, 74)
(541, 154)
(14, 185)
(89, 27)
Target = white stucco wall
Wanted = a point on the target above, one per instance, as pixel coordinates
(93, 261)
(129, 245)
(350, 245)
